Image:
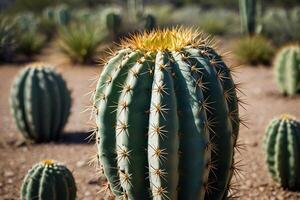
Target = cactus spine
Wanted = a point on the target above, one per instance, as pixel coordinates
(282, 147)
(287, 69)
(40, 103)
(167, 117)
(48, 180)
(248, 15)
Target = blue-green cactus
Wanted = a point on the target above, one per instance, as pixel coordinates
(48, 180)
(40, 103)
(167, 117)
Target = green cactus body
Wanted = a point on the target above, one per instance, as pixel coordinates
(48, 180)
(248, 15)
(282, 146)
(167, 117)
(63, 15)
(113, 23)
(287, 69)
(40, 103)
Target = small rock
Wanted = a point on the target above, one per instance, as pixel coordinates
(80, 164)
(8, 174)
(87, 193)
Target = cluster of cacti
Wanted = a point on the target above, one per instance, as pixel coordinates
(282, 147)
(113, 23)
(287, 69)
(248, 13)
(48, 180)
(60, 15)
(7, 39)
(40, 103)
(167, 117)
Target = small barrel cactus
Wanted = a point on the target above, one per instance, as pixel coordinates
(282, 145)
(40, 102)
(287, 69)
(167, 117)
(113, 23)
(48, 180)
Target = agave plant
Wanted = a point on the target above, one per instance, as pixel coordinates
(80, 41)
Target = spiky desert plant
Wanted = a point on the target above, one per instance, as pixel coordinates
(48, 180)
(113, 23)
(62, 15)
(248, 14)
(282, 145)
(7, 39)
(80, 41)
(40, 102)
(167, 117)
(287, 69)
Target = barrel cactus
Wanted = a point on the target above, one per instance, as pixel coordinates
(48, 180)
(40, 102)
(282, 145)
(287, 69)
(167, 117)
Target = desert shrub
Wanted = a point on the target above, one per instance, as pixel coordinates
(161, 12)
(46, 27)
(253, 50)
(7, 39)
(219, 22)
(281, 25)
(80, 41)
(28, 40)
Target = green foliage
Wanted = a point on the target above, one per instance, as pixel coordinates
(40, 103)
(80, 41)
(61, 15)
(113, 23)
(219, 22)
(149, 22)
(282, 147)
(29, 41)
(287, 69)
(7, 39)
(161, 12)
(163, 102)
(281, 25)
(48, 180)
(254, 50)
(248, 13)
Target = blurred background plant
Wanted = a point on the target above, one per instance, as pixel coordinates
(41, 23)
(254, 50)
(80, 41)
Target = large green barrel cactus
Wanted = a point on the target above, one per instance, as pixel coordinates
(48, 180)
(40, 103)
(248, 14)
(287, 69)
(167, 117)
(282, 147)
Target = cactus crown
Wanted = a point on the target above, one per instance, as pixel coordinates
(47, 162)
(172, 39)
(287, 117)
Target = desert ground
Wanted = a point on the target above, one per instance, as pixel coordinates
(262, 103)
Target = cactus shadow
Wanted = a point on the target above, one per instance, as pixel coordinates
(80, 137)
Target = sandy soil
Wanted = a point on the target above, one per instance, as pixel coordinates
(263, 103)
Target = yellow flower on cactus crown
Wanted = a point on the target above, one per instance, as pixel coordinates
(47, 162)
(287, 117)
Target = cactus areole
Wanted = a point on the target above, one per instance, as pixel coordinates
(48, 180)
(40, 102)
(282, 145)
(167, 117)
